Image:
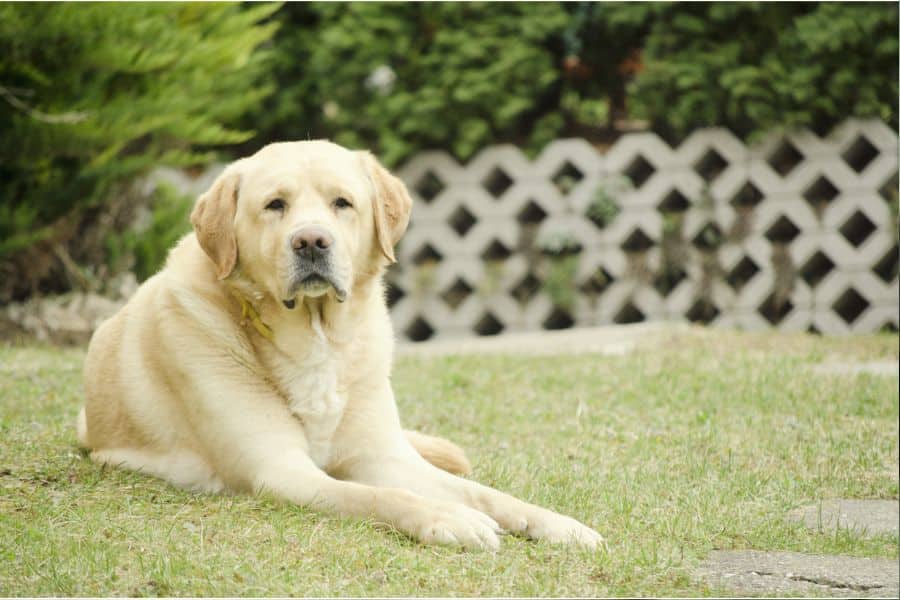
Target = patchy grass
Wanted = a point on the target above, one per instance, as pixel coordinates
(703, 442)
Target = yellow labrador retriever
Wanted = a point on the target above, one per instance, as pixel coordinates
(259, 359)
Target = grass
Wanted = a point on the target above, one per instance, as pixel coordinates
(701, 443)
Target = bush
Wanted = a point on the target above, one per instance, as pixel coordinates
(96, 95)
(399, 78)
(753, 67)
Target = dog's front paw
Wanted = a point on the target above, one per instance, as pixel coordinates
(452, 524)
(559, 529)
(540, 523)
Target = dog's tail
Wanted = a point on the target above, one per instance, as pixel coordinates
(442, 453)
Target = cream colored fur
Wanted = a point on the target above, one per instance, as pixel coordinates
(180, 386)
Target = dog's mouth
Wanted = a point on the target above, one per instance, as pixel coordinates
(314, 284)
(314, 280)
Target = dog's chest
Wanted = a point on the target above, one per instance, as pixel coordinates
(310, 386)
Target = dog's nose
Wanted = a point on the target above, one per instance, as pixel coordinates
(311, 241)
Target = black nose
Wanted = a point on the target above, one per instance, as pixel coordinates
(311, 241)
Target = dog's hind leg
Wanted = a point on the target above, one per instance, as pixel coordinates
(182, 469)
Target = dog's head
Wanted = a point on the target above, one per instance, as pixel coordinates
(302, 219)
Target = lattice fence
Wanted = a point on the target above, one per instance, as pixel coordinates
(797, 232)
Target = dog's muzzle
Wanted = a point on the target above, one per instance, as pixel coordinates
(313, 269)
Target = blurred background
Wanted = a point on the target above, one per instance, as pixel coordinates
(573, 164)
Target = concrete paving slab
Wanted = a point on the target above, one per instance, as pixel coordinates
(612, 340)
(883, 368)
(870, 517)
(757, 573)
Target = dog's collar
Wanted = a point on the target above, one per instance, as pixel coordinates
(249, 313)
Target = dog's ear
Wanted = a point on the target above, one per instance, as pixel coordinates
(392, 205)
(213, 221)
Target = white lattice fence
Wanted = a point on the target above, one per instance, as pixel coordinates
(796, 232)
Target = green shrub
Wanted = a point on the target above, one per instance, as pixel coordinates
(398, 77)
(95, 95)
(753, 66)
(402, 77)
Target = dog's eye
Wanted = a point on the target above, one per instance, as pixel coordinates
(340, 203)
(276, 204)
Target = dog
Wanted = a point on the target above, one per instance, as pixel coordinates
(258, 359)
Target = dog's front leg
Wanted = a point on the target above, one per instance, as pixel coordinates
(373, 450)
(428, 520)
(515, 516)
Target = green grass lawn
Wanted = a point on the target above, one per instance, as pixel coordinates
(703, 442)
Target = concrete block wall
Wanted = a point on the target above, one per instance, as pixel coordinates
(796, 232)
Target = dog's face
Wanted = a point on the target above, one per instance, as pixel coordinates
(302, 219)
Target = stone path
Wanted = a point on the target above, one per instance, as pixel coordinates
(609, 340)
(885, 368)
(753, 572)
(870, 517)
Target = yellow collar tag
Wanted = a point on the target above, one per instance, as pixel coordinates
(247, 311)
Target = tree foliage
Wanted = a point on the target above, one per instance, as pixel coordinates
(93, 95)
